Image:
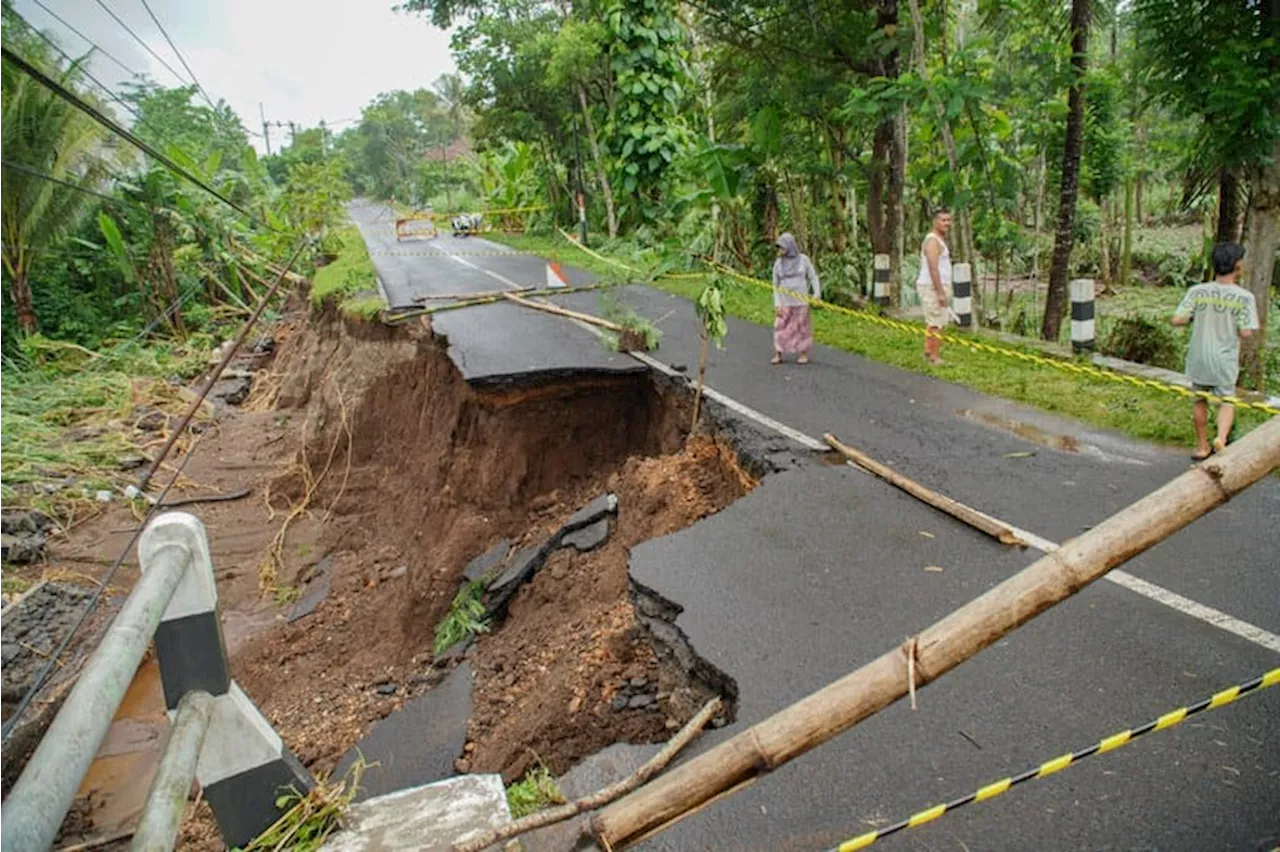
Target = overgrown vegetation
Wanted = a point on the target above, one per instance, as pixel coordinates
(464, 619)
(536, 791)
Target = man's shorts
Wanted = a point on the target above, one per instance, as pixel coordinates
(1216, 390)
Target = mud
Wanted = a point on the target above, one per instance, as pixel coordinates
(408, 474)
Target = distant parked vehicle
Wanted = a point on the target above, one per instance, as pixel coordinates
(466, 224)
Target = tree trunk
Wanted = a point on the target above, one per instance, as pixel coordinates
(601, 175)
(1228, 207)
(897, 210)
(1137, 201)
(1042, 170)
(20, 293)
(1104, 263)
(877, 180)
(1261, 242)
(1126, 245)
(1056, 300)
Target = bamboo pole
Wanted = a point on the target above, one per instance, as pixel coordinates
(971, 516)
(564, 312)
(840, 705)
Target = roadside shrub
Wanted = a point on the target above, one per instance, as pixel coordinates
(1144, 341)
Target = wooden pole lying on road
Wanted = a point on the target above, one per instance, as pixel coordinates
(972, 517)
(943, 646)
(555, 309)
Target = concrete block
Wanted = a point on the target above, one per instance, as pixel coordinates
(430, 818)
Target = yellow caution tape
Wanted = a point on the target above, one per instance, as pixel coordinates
(1168, 720)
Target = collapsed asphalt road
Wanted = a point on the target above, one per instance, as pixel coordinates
(822, 568)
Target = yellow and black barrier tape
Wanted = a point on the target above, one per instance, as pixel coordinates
(504, 211)
(1069, 366)
(1049, 767)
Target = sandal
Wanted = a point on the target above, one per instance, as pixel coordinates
(1196, 457)
(1219, 445)
(776, 359)
(803, 359)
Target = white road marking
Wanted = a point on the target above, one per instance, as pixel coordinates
(1159, 594)
(1173, 600)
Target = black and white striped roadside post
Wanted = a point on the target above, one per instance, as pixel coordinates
(243, 763)
(880, 280)
(962, 294)
(1082, 326)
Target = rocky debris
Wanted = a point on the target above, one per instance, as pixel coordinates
(588, 538)
(419, 743)
(264, 345)
(637, 693)
(24, 536)
(231, 389)
(150, 419)
(605, 504)
(316, 591)
(33, 628)
(132, 462)
(477, 569)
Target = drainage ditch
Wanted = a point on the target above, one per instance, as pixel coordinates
(407, 474)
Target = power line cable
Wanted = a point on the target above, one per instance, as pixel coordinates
(142, 42)
(105, 89)
(36, 173)
(97, 115)
(84, 38)
(181, 58)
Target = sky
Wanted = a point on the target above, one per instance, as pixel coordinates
(303, 60)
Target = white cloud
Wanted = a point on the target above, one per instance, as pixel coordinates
(303, 60)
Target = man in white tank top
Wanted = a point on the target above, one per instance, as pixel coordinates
(933, 284)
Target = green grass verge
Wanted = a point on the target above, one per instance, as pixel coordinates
(349, 280)
(1143, 413)
(534, 792)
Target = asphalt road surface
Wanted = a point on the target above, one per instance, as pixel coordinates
(823, 568)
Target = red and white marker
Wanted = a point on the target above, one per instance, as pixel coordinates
(556, 276)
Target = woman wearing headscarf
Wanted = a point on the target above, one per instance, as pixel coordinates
(793, 279)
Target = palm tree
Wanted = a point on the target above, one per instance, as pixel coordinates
(1056, 302)
(451, 89)
(50, 137)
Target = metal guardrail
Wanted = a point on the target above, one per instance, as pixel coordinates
(218, 736)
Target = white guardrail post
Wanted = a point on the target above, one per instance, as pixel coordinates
(239, 761)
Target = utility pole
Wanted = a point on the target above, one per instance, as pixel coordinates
(266, 127)
(293, 133)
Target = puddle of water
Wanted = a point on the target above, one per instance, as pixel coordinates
(1026, 431)
(121, 773)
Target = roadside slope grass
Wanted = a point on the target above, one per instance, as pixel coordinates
(349, 282)
(1144, 413)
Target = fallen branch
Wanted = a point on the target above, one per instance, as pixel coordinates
(600, 798)
(941, 647)
(941, 502)
(211, 498)
(564, 312)
(479, 294)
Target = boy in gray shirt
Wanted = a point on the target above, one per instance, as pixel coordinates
(1220, 313)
